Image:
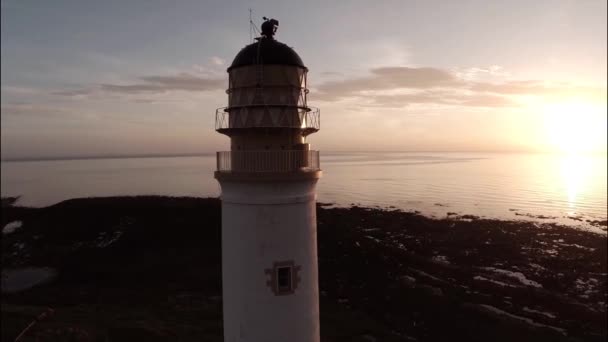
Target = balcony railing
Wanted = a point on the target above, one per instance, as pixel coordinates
(268, 161)
(306, 118)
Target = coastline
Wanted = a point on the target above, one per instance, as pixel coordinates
(385, 274)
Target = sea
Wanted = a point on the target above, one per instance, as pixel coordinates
(567, 189)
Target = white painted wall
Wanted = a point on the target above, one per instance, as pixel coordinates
(263, 223)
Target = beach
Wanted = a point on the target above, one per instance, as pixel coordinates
(149, 268)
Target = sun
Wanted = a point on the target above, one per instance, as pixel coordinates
(576, 127)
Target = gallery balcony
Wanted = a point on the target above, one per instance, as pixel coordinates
(236, 120)
(271, 162)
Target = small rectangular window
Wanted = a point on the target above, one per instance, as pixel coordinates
(284, 279)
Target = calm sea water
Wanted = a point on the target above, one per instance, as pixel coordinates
(520, 186)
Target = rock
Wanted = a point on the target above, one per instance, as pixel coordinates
(408, 281)
(367, 338)
(150, 334)
(431, 290)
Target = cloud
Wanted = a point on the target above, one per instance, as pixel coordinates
(387, 78)
(161, 84)
(217, 60)
(480, 100)
(332, 73)
(73, 92)
(20, 90)
(512, 87)
(443, 98)
(388, 87)
(478, 74)
(552, 91)
(394, 87)
(38, 110)
(214, 68)
(152, 84)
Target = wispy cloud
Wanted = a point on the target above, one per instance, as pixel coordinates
(74, 92)
(512, 87)
(34, 110)
(332, 73)
(386, 78)
(215, 60)
(442, 97)
(393, 87)
(547, 90)
(20, 90)
(383, 87)
(481, 73)
(160, 84)
(152, 84)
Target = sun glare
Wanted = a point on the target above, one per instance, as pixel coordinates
(575, 171)
(576, 127)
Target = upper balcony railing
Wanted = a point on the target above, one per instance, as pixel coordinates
(268, 161)
(308, 119)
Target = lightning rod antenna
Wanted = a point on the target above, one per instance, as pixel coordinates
(250, 26)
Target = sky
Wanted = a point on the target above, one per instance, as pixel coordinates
(86, 78)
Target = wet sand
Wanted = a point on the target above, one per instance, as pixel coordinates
(149, 268)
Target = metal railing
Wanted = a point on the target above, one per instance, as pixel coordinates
(306, 118)
(268, 161)
(301, 90)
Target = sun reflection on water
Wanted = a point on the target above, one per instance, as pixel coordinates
(575, 172)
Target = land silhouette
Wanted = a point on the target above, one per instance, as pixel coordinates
(149, 268)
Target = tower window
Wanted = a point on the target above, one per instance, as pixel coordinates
(284, 283)
(283, 277)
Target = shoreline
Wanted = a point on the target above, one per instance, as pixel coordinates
(384, 273)
(585, 222)
(577, 222)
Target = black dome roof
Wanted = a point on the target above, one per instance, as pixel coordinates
(270, 52)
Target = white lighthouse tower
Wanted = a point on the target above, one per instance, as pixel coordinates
(268, 180)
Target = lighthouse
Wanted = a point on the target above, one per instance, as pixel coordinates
(268, 180)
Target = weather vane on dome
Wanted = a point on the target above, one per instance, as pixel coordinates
(269, 27)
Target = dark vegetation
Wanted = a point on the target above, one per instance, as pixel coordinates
(149, 269)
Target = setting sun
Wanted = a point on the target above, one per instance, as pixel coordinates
(576, 127)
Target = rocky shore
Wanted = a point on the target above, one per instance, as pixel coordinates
(149, 268)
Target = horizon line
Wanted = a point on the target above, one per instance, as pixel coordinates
(203, 154)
